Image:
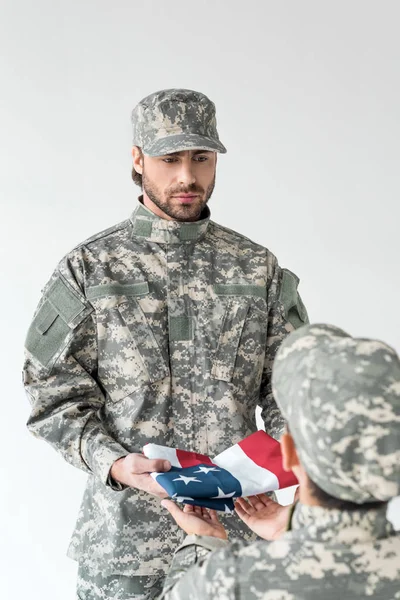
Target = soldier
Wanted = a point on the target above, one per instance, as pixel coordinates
(341, 399)
(160, 329)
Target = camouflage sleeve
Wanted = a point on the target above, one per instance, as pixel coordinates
(201, 569)
(286, 313)
(59, 377)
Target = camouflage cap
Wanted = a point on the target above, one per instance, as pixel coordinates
(341, 399)
(175, 120)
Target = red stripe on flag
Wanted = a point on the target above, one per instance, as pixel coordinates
(263, 450)
(191, 459)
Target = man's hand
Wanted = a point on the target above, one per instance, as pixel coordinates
(266, 518)
(134, 470)
(196, 520)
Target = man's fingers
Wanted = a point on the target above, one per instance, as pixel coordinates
(173, 509)
(255, 502)
(205, 513)
(159, 465)
(201, 511)
(146, 483)
(140, 464)
(264, 499)
(156, 489)
(213, 516)
(244, 506)
(250, 505)
(241, 512)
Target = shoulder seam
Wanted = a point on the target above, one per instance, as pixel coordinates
(237, 234)
(102, 234)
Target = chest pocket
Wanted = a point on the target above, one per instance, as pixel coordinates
(239, 356)
(129, 355)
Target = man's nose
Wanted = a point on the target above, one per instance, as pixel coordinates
(186, 174)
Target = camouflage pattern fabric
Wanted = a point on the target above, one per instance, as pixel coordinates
(341, 396)
(175, 120)
(341, 399)
(328, 554)
(96, 586)
(153, 331)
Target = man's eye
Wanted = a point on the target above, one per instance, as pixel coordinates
(169, 160)
(201, 158)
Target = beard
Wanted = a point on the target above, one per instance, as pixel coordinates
(170, 206)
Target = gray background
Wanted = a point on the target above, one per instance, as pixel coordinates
(308, 98)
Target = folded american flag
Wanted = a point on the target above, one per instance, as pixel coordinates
(252, 466)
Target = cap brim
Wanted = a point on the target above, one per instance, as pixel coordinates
(183, 141)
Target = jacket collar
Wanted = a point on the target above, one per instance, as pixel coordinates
(150, 227)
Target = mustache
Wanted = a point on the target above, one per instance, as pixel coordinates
(191, 189)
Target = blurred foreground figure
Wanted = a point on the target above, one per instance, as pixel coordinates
(341, 399)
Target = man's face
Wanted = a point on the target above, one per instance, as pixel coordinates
(178, 186)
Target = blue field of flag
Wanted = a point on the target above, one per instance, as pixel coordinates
(202, 485)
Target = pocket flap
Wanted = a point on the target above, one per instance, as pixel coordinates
(67, 304)
(141, 288)
(46, 334)
(239, 289)
(46, 317)
(228, 343)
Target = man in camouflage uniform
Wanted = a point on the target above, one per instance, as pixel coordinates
(160, 329)
(341, 399)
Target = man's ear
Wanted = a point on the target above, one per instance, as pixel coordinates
(137, 155)
(289, 453)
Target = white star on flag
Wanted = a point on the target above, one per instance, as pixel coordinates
(187, 480)
(181, 498)
(206, 470)
(221, 494)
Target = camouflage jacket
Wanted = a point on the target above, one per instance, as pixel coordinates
(153, 331)
(327, 554)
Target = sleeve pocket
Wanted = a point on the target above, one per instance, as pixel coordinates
(61, 311)
(295, 311)
(46, 334)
